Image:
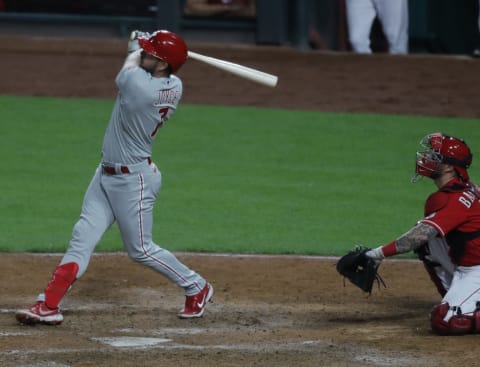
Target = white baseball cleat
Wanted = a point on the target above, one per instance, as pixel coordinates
(195, 305)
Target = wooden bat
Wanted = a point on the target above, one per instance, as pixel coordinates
(237, 69)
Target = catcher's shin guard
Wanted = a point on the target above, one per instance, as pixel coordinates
(476, 321)
(63, 277)
(458, 324)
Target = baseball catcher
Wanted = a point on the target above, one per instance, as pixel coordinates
(360, 269)
(446, 239)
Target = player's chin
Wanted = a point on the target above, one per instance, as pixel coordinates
(147, 69)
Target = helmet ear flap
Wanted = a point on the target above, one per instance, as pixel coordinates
(457, 153)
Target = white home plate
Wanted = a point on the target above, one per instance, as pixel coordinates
(129, 341)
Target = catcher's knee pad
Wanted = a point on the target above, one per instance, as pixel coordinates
(62, 278)
(458, 324)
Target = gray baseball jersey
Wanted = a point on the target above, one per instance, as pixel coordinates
(125, 185)
(144, 104)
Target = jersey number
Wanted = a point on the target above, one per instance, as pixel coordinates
(163, 112)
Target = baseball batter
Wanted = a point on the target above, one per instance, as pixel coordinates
(393, 15)
(126, 183)
(447, 239)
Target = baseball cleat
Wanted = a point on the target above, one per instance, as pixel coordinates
(39, 313)
(195, 305)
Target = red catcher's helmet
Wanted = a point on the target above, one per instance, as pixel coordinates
(440, 148)
(167, 46)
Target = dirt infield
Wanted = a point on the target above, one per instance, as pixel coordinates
(267, 311)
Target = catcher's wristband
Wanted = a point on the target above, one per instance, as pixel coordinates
(375, 254)
(390, 249)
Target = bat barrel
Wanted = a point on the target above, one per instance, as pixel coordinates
(237, 69)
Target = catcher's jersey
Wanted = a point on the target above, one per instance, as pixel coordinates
(456, 208)
(143, 104)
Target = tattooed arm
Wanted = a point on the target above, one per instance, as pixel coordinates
(414, 238)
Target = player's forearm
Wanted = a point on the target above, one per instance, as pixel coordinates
(414, 238)
(132, 60)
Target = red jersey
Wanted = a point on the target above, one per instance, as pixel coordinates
(454, 211)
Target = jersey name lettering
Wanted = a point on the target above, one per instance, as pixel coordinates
(467, 199)
(166, 97)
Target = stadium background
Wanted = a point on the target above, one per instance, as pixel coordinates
(436, 26)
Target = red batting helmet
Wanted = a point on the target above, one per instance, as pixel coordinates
(440, 148)
(167, 46)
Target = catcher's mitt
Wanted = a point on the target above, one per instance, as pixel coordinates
(360, 269)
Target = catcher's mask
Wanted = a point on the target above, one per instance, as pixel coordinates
(167, 46)
(439, 148)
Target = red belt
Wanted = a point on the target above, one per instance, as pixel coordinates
(122, 169)
(111, 170)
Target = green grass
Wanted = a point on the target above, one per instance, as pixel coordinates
(245, 180)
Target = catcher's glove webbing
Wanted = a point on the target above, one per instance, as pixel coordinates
(360, 269)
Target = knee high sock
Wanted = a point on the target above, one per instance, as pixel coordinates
(63, 277)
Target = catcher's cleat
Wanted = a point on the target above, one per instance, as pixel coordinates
(39, 313)
(195, 305)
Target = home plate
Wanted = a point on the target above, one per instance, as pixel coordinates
(129, 341)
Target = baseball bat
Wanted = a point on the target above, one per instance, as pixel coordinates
(237, 69)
